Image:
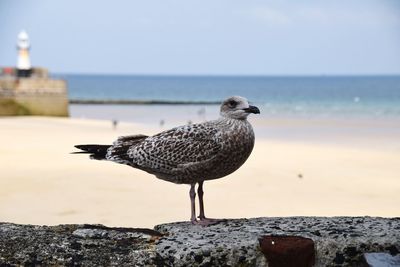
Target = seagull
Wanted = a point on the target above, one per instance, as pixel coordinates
(189, 154)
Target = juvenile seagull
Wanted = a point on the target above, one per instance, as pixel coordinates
(188, 154)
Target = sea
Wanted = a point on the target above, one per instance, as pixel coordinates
(335, 109)
(298, 96)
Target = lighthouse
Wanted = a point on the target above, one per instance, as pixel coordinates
(24, 68)
(28, 90)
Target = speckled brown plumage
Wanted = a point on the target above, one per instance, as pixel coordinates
(188, 154)
(191, 153)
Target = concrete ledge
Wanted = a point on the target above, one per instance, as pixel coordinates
(337, 241)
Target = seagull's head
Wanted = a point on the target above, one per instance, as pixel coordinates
(237, 107)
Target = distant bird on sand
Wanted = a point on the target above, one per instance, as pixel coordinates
(188, 154)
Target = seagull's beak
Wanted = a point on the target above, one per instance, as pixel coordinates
(252, 109)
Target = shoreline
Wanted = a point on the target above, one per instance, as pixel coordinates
(344, 130)
(139, 102)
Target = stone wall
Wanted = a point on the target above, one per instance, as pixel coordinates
(33, 96)
(295, 241)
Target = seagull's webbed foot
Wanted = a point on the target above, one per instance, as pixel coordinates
(209, 221)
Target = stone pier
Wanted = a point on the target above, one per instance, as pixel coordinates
(36, 95)
(287, 241)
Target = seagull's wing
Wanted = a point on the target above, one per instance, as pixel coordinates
(177, 148)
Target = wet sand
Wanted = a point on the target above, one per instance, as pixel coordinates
(41, 183)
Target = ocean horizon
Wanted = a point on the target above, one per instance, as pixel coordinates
(376, 96)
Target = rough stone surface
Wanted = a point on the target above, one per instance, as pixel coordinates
(338, 241)
(73, 245)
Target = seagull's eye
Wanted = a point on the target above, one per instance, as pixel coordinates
(232, 103)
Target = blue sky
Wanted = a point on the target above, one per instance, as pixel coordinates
(226, 37)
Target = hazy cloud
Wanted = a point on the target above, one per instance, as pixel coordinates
(269, 15)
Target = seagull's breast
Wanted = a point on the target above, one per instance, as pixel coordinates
(238, 143)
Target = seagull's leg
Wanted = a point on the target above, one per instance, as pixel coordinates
(192, 194)
(200, 192)
(203, 219)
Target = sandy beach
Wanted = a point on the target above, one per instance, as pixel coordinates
(42, 183)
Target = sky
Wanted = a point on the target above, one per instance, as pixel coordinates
(207, 37)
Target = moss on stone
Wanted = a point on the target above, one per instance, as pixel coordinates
(9, 107)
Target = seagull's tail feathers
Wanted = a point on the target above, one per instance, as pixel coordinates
(98, 152)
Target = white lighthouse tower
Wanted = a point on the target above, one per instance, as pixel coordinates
(24, 67)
